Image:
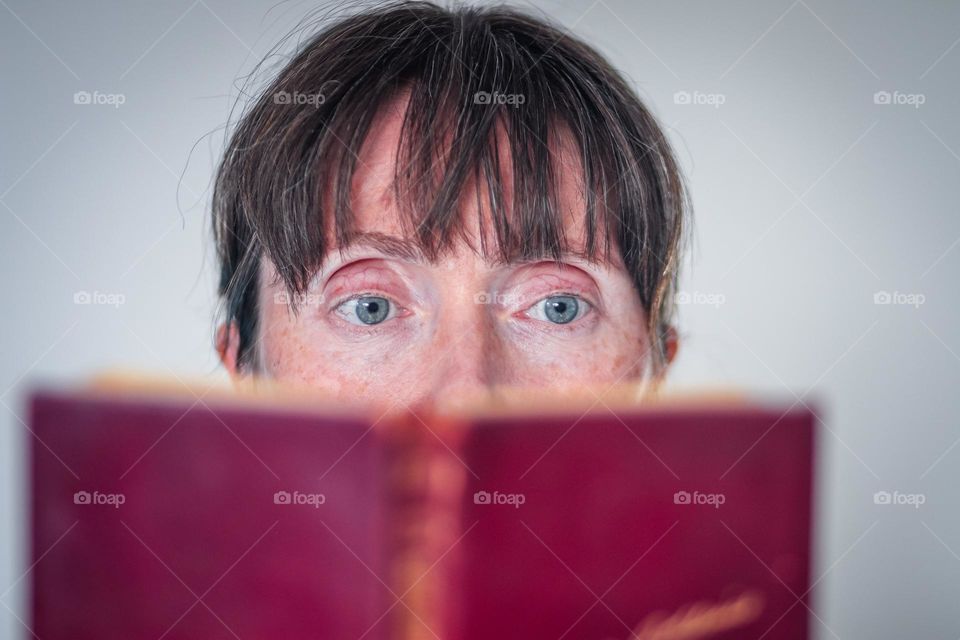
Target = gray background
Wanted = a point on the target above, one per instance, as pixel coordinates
(810, 198)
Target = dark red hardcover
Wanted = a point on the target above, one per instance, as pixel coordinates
(169, 519)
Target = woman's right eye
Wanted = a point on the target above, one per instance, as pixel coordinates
(366, 310)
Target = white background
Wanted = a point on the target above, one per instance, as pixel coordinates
(809, 198)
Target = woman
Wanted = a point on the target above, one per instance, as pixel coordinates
(426, 202)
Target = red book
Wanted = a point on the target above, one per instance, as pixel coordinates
(167, 518)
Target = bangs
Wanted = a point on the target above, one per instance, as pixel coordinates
(523, 166)
(485, 88)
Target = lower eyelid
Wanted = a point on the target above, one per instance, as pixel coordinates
(583, 326)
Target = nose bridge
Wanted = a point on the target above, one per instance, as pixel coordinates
(465, 348)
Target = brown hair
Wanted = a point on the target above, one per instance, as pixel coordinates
(468, 70)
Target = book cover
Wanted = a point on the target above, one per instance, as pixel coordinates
(173, 518)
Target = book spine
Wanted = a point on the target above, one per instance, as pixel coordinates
(423, 493)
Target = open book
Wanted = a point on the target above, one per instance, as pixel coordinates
(165, 516)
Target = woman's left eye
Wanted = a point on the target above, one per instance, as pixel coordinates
(559, 309)
(367, 310)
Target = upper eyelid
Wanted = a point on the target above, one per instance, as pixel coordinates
(564, 271)
(362, 281)
(593, 303)
(582, 286)
(339, 301)
(328, 273)
(363, 274)
(579, 282)
(559, 294)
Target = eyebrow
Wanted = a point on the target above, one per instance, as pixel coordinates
(410, 250)
(388, 245)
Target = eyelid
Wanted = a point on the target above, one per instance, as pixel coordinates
(364, 273)
(405, 285)
(392, 289)
(340, 301)
(544, 283)
(330, 271)
(581, 297)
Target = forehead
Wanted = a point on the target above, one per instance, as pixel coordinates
(375, 210)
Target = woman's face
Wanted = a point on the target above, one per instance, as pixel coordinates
(381, 324)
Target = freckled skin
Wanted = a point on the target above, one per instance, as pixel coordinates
(444, 340)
